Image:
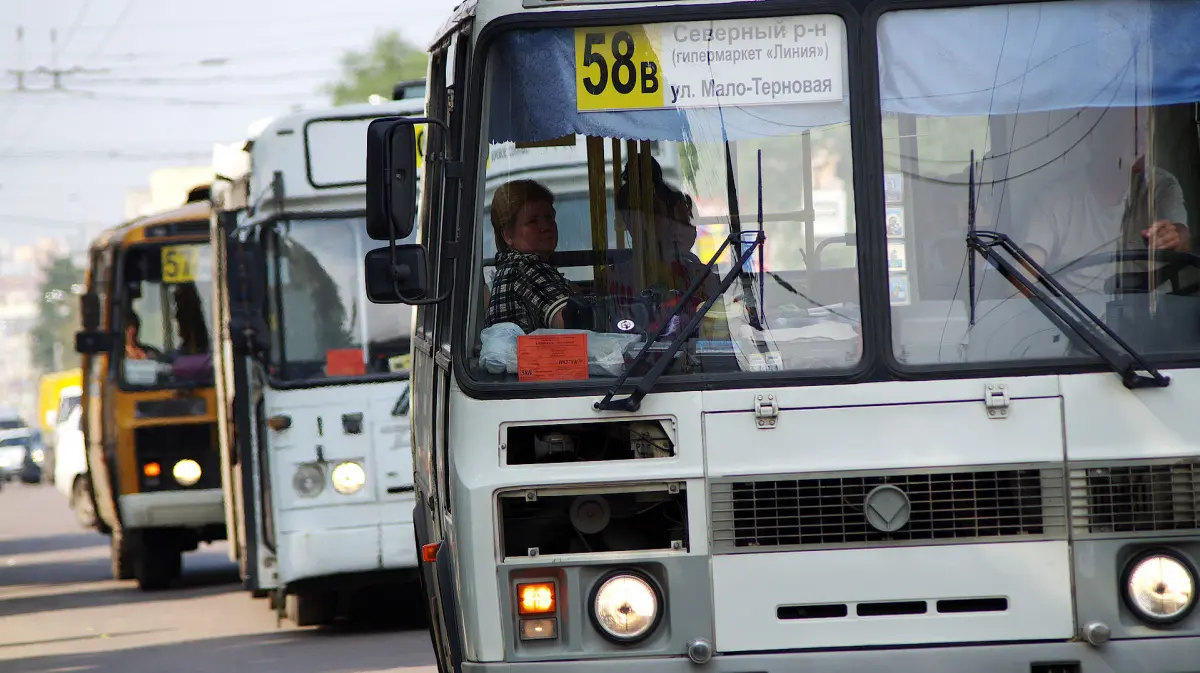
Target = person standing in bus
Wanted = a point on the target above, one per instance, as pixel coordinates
(672, 267)
(527, 289)
(1115, 203)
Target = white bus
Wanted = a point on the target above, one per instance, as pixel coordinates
(950, 433)
(313, 379)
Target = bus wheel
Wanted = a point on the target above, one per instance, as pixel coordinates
(81, 502)
(122, 557)
(158, 564)
(273, 599)
(311, 609)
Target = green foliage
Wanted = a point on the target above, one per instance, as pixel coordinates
(390, 59)
(58, 317)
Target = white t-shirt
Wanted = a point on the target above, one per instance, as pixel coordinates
(1069, 223)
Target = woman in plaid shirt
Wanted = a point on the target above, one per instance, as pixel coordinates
(527, 289)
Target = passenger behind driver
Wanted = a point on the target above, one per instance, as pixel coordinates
(671, 264)
(527, 289)
(1094, 211)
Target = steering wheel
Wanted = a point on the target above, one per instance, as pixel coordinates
(1172, 263)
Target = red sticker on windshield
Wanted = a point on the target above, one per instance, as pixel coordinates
(552, 357)
(345, 362)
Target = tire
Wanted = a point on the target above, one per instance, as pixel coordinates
(311, 609)
(122, 557)
(81, 502)
(273, 599)
(157, 564)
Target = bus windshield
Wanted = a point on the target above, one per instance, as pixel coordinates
(166, 316)
(1073, 132)
(323, 327)
(617, 172)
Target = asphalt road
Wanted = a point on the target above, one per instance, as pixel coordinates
(61, 612)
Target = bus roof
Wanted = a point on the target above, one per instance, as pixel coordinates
(314, 151)
(163, 225)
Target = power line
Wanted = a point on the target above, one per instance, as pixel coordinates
(75, 25)
(212, 79)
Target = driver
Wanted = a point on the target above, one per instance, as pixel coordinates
(135, 349)
(527, 289)
(1113, 204)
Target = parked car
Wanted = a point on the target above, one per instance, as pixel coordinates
(21, 455)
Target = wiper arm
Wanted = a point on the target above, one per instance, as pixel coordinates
(634, 400)
(1070, 315)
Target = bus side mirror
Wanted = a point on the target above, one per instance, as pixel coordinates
(90, 343)
(89, 311)
(398, 283)
(391, 178)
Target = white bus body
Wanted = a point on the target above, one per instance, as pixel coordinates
(904, 463)
(314, 429)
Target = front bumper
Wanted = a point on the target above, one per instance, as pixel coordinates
(172, 509)
(306, 555)
(1158, 655)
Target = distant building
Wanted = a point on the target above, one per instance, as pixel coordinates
(168, 189)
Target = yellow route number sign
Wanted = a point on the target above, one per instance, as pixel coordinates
(617, 68)
(179, 263)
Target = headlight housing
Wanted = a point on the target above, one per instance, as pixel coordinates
(1160, 587)
(626, 606)
(348, 477)
(186, 472)
(309, 480)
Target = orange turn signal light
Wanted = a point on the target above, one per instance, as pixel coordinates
(279, 423)
(429, 551)
(536, 599)
(152, 469)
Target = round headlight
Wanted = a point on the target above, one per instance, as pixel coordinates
(39, 456)
(625, 607)
(186, 472)
(348, 478)
(1160, 588)
(309, 480)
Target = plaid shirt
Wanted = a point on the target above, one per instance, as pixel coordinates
(527, 290)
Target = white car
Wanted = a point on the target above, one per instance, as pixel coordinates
(70, 466)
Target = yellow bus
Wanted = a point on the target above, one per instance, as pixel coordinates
(148, 401)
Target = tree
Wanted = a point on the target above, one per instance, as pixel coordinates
(389, 60)
(53, 336)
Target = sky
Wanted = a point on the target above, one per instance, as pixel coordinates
(155, 83)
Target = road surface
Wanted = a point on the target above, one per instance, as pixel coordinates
(61, 612)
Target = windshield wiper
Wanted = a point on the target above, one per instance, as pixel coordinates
(1068, 314)
(634, 400)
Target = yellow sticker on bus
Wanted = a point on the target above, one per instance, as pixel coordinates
(179, 263)
(617, 68)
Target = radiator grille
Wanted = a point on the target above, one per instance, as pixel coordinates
(1135, 498)
(829, 511)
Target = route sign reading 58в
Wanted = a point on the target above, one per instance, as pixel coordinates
(709, 64)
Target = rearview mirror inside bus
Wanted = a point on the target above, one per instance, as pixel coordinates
(391, 178)
(397, 283)
(89, 343)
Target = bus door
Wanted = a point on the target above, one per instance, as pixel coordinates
(98, 403)
(243, 333)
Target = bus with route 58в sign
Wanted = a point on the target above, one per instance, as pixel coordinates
(950, 431)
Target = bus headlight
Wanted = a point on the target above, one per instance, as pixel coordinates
(39, 456)
(625, 607)
(186, 472)
(1161, 588)
(348, 478)
(309, 480)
